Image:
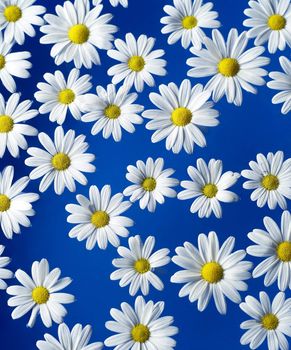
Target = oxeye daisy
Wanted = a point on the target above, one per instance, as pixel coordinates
(78, 339)
(270, 21)
(183, 110)
(12, 130)
(111, 111)
(186, 21)
(76, 33)
(4, 272)
(98, 218)
(15, 206)
(211, 270)
(137, 265)
(230, 65)
(273, 244)
(209, 186)
(270, 178)
(151, 183)
(141, 327)
(59, 95)
(114, 3)
(270, 320)
(17, 18)
(63, 161)
(138, 61)
(40, 294)
(282, 81)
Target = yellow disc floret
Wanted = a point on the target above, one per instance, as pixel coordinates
(79, 34)
(112, 111)
(277, 22)
(189, 22)
(229, 67)
(12, 13)
(181, 116)
(66, 96)
(270, 182)
(100, 218)
(210, 190)
(284, 251)
(140, 333)
(270, 322)
(142, 266)
(61, 161)
(212, 272)
(149, 184)
(2, 61)
(40, 295)
(6, 123)
(4, 202)
(136, 63)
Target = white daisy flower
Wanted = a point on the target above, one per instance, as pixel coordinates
(78, 339)
(209, 186)
(270, 320)
(137, 265)
(112, 110)
(230, 66)
(17, 18)
(4, 272)
(114, 3)
(282, 82)
(141, 327)
(12, 130)
(151, 183)
(59, 95)
(270, 21)
(99, 218)
(211, 270)
(12, 64)
(15, 206)
(63, 161)
(40, 294)
(270, 178)
(186, 20)
(138, 61)
(76, 33)
(183, 110)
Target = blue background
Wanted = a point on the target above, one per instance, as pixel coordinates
(243, 132)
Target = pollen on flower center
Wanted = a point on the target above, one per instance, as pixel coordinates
(79, 34)
(4, 203)
(142, 266)
(149, 184)
(66, 96)
(181, 116)
(61, 161)
(112, 111)
(140, 333)
(189, 22)
(270, 182)
(276, 22)
(40, 295)
(2, 61)
(212, 272)
(100, 218)
(12, 13)
(210, 190)
(6, 123)
(284, 251)
(270, 321)
(229, 67)
(136, 63)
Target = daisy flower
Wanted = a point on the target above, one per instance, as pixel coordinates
(270, 21)
(15, 206)
(17, 18)
(40, 294)
(63, 161)
(99, 218)
(137, 265)
(141, 327)
(78, 339)
(183, 110)
(151, 183)
(269, 320)
(111, 111)
(231, 67)
(114, 3)
(211, 270)
(12, 64)
(59, 95)
(185, 21)
(138, 61)
(270, 178)
(12, 130)
(282, 82)
(209, 186)
(4, 272)
(76, 33)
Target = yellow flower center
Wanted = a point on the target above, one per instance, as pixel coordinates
(12, 13)
(270, 321)
(79, 34)
(100, 219)
(212, 272)
(229, 67)
(276, 22)
(142, 266)
(4, 203)
(6, 123)
(284, 251)
(40, 295)
(61, 161)
(136, 63)
(149, 184)
(66, 96)
(112, 112)
(209, 190)
(181, 116)
(2, 61)
(140, 333)
(270, 182)
(189, 22)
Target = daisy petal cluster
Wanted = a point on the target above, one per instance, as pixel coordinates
(114, 3)
(4, 272)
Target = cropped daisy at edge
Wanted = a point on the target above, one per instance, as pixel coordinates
(4, 272)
